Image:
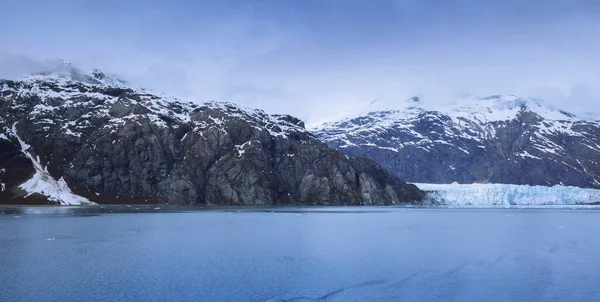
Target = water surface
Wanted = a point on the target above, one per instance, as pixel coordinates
(298, 254)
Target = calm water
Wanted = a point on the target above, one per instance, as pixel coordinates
(300, 254)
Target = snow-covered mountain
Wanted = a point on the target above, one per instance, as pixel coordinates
(497, 139)
(73, 137)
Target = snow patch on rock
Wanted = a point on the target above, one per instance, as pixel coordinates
(43, 183)
(2, 184)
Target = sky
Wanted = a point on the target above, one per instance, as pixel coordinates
(319, 59)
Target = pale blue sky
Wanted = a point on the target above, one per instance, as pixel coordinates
(314, 58)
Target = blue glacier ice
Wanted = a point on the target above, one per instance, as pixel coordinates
(508, 195)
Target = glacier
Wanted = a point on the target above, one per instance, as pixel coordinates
(508, 195)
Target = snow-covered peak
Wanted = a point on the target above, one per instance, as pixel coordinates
(481, 110)
(500, 108)
(68, 73)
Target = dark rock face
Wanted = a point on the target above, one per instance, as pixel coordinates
(113, 144)
(496, 140)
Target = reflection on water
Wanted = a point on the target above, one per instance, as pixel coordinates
(169, 253)
(91, 210)
(121, 209)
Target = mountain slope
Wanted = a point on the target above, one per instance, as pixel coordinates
(499, 139)
(91, 135)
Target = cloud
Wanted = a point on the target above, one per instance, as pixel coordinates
(583, 100)
(16, 66)
(320, 59)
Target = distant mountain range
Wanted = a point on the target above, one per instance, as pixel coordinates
(497, 139)
(73, 137)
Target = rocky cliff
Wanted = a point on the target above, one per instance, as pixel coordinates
(70, 137)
